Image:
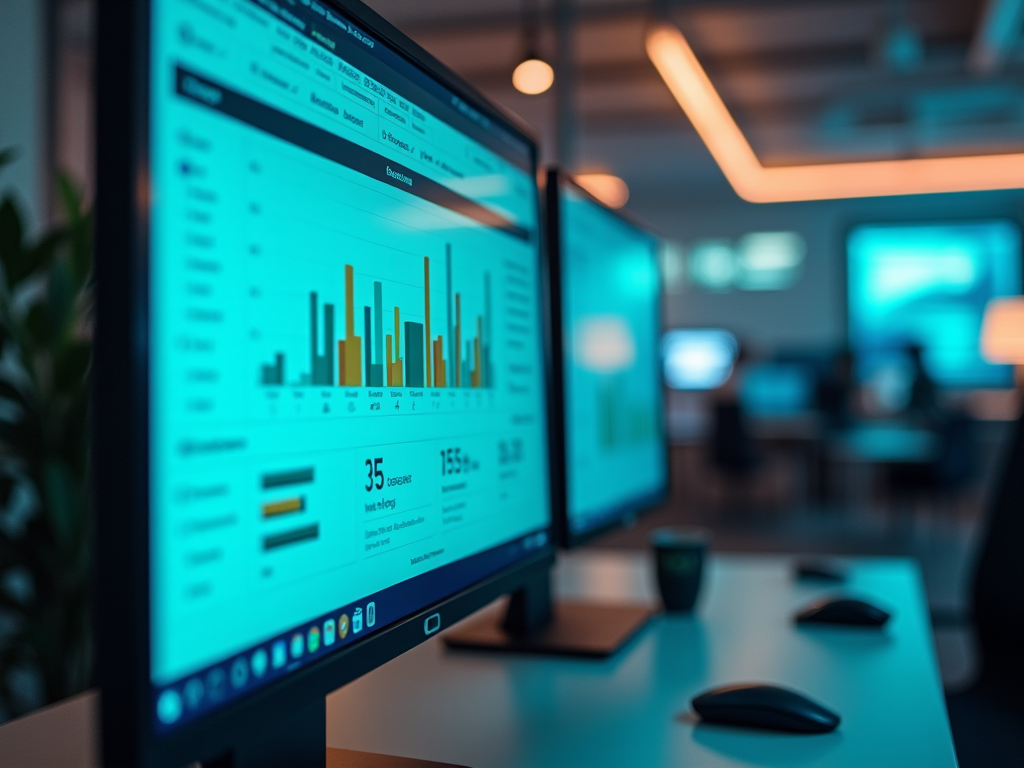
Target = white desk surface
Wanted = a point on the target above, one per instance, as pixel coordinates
(492, 711)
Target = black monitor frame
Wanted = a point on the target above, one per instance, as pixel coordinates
(120, 441)
(556, 180)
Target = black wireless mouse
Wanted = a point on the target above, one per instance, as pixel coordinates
(820, 570)
(841, 610)
(764, 706)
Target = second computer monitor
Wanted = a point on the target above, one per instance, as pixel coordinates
(606, 291)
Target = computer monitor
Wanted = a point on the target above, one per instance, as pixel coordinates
(609, 448)
(926, 284)
(606, 294)
(321, 415)
(698, 359)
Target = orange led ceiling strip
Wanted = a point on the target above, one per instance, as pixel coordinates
(689, 83)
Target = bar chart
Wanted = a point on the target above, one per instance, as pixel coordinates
(385, 349)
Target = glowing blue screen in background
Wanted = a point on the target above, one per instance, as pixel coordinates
(928, 284)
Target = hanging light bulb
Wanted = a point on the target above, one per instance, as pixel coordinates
(532, 75)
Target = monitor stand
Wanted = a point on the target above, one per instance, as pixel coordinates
(300, 741)
(534, 623)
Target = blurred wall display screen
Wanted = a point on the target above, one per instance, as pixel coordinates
(928, 284)
(615, 440)
(698, 358)
(348, 406)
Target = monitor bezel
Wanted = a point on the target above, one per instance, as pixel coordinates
(555, 179)
(120, 439)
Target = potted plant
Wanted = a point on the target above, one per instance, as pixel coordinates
(45, 350)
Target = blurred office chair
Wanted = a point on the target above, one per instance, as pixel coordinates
(945, 477)
(733, 454)
(988, 718)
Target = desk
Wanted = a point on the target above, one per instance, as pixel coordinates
(494, 711)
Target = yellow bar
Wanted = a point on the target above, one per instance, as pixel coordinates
(458, 340)
(426, 315)
(350, 310)
(341, 363)
(387, 366)
(284, 507)
(396, 376)
(354, 361)
(398, 338)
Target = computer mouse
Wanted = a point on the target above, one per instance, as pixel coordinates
(845, 611)
(820, 570)
(764, 706)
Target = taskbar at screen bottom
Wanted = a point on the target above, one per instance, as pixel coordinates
(213, 687)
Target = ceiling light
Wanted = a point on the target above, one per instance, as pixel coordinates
(609, 189)
(533, 76)
(691, 87)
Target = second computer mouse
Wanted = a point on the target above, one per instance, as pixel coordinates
(820, 570)
(764, 706)
(845, 611)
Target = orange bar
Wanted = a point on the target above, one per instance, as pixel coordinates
(387, 367)
(426, 316)
(458, 340)
(341, 363)
(398, 338)
(284, 507)
(439, 362)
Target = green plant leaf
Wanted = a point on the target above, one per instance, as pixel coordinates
(11, 234)
(60, 494)
(35, 258)
(60, 301)
(11, 391)
(71, 366)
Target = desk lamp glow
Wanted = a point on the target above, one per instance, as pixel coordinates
(691, 87)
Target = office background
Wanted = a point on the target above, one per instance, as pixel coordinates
(808, 82)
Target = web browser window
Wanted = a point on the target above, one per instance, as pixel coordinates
(348, 406)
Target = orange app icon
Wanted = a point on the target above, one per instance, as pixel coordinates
(343, 626)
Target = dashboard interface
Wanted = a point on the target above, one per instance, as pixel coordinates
(614, 432)
(348, 405)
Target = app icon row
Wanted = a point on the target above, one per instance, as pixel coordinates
(214, 686)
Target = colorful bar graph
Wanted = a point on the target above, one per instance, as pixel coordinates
(409, 356)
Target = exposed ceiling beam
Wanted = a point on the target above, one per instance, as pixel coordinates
(620, 11)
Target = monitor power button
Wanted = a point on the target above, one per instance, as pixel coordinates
(432, 624)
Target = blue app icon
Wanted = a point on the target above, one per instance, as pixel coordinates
(259, 663)
(239, 672)
(168, 706)
(278, 654)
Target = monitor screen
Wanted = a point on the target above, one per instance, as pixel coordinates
(927, 285)
(614, 426)
(777, 389)
(698, 358)
(348, 397)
